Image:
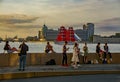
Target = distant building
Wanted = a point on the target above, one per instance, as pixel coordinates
(51, 35)
(117, 35)
(42, 33)
(84, 34)
(90, 27)
(98, 38)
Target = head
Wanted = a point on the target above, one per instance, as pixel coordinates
(23, 42)
(48, 43)
(85, 43)
(76, 44)
(66, 42)
(106, 44)
(98, 43)
(7, 42)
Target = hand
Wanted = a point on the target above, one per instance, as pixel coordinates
(68, 48)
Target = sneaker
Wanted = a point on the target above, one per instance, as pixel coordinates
(19, 69)
(75, 67)
(110, 59)
(78, 65)
(66, 65)
(62, 65)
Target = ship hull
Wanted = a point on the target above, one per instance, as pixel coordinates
(62, 42)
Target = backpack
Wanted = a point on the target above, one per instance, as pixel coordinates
(51, 62)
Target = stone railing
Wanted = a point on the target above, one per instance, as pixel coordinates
(9, 60)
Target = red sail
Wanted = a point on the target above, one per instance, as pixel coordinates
(66, 35)
(70, 34)
(62, 34)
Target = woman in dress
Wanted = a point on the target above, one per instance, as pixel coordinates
(75, 57)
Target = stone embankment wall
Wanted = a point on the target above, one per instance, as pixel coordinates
(11, 60)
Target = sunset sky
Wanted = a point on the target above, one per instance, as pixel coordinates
(25, 17)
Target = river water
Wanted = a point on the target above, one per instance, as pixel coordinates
(38, 47)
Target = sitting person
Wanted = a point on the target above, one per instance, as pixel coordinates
(8, 48)
(99, 52)
(107, 52)
(49, 48)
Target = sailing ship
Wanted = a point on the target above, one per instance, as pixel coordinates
(67, 35)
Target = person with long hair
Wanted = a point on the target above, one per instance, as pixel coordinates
(75, 57)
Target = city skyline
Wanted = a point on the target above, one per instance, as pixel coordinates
(25, 17)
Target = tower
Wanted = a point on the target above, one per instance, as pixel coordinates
(44, 30)
(41, 35)
(90, 28)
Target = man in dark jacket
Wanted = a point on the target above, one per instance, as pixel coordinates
(22, 56)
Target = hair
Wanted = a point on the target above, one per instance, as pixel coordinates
(66, 42)
(75, 44)
(47, 42)
(98, 43)
(7, 42)
(106, 43)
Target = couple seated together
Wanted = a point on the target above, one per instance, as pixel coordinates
(49, 48)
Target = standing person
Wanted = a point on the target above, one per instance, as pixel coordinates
(8, 48)
(49, 48)
(65, 49)
(75, 57)
(78, 63)
(23, 52)
(99, 51)
(85, 50)
(107, 52)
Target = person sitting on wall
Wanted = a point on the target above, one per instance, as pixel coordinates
(8, 48)
(99, 52)
(107, 52)
(49, 48)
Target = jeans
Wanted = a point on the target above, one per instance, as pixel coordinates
(22, 62)
(64, 59)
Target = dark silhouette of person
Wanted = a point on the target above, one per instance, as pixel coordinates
(22, 55)
(65, 49)
(107, 52)
(49, 48)
(8, 48)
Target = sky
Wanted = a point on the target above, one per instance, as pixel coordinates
(25, 17)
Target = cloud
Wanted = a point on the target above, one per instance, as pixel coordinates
(62, 12)
(109, 25)
(13, 19)
(110, 22)
(18, 24)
